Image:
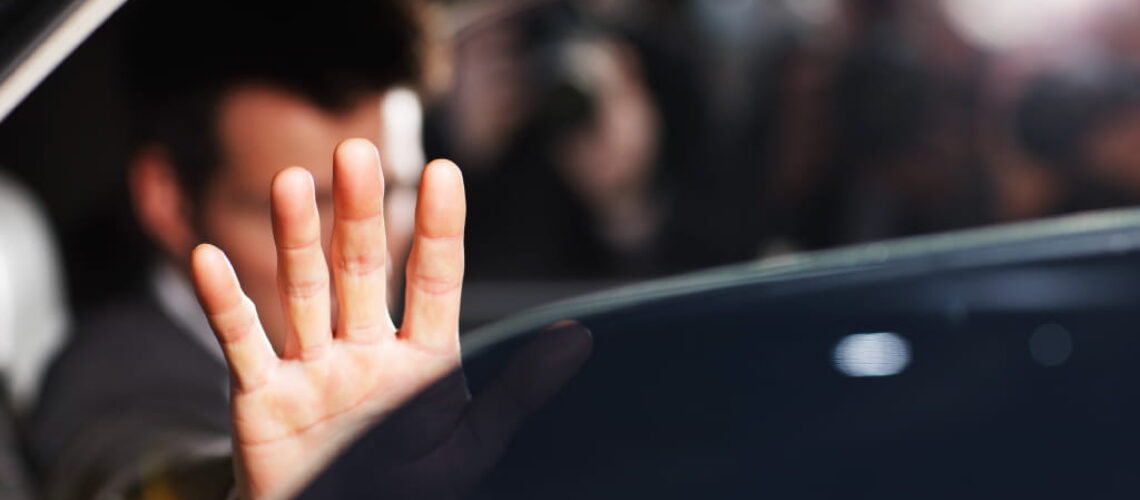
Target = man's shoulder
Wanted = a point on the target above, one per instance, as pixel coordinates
(133, 317)
(130, 355)
(129, 384)
(134, 339)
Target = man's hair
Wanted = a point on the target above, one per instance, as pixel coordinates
(184, 55)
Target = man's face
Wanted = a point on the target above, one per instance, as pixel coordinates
(264, 130)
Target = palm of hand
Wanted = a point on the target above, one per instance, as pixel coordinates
(310, 410)
(294, 412)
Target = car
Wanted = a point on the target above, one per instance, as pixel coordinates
(994, 362)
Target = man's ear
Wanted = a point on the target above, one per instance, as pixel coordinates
(161, 205)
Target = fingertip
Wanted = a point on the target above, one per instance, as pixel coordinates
(202, 251)
(206, 257)
(442, 205)
(443, 162)
(213, 276)
(294, 206)
(292, 181)
(292, 171)
(356, 150)
(443, 178)
(207, 249)
(358, 179)
(442, 170)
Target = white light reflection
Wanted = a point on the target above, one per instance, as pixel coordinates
(1011, 24)
(816, 12)
(872, 355)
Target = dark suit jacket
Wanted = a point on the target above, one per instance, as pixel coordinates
(14, 484)
(132, 405)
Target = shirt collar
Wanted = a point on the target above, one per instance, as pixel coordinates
(176, 299)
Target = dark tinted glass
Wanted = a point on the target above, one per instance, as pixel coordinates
(940, 368)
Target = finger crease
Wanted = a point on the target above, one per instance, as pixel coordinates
(369, 331)
(315, 240)
(250, 384)
(328, 418)
(435, 286)
(306, 289)
(363, 265)
(370, 218)
(439, 237)
(314, 352)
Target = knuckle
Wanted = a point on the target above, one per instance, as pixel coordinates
(249, 383)
(433, 285)
(361, 265)
(300, 244)
(307, 289)
(315, 351)
(236, 325)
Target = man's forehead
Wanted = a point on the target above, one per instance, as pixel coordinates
(265, 129)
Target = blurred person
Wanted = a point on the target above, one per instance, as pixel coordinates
(141, 404)
(1023, 188)
(802, 139)
(346, 367)
(713, 68)
(1060, 64)
(734, 36)
(33, 312)
(33, 318)
(1083, 124)
(902, 95)
(683, 61)
(224, 95)
(736, 50)
(559, 137)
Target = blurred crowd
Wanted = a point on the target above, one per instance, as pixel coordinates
(606, 140)
(601, 141)
(609, 138)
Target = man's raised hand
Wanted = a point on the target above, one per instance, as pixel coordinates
(344, 366)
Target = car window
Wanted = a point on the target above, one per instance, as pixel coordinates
(978, 363)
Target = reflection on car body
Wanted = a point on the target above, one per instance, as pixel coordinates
(730, 383)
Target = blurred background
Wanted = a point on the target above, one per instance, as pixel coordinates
(608, 141)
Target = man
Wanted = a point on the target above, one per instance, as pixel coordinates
(1082, 128)
(225, 95)
(138, 405)
(559, 136)
(301, 400)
